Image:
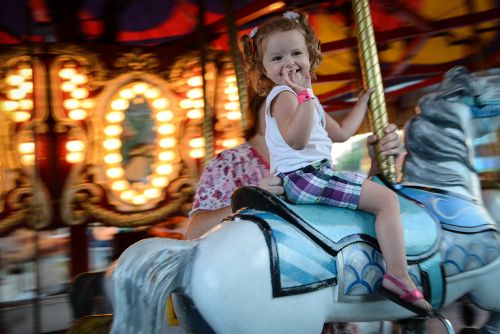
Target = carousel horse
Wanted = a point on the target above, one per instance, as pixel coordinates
(273, 267)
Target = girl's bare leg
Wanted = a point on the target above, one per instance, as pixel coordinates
(384, 204)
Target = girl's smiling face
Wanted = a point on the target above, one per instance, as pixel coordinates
(285, 53)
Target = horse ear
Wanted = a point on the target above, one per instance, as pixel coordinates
(455, 94)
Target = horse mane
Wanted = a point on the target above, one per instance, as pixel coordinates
(436, 138)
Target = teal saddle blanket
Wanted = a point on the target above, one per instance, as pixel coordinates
(304, 240)
(455, 213)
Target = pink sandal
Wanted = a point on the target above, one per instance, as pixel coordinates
(406, 299)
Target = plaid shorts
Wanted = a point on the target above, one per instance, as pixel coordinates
(318, 183)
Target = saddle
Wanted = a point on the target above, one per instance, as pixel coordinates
(305, 240)
(334, 228)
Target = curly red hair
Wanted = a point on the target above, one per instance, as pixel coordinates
(252, 52)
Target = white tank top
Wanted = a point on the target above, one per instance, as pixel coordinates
(283, 157)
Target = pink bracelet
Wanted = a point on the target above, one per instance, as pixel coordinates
(304, 96)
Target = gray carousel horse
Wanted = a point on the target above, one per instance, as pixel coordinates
(273, 267)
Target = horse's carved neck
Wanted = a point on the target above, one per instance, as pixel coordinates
(439, 138)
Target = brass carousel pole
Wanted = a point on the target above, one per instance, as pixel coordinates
(373, 79)
(208, 131)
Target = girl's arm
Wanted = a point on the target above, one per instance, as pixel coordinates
(294, 120)
(340, 131)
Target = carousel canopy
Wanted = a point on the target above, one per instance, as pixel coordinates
(418, 40)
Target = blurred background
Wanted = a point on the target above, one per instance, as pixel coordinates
(109, 110)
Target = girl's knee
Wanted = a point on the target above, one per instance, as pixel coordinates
(391, 198)
(378, 198)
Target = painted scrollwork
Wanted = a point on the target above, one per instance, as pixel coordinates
(24, 199)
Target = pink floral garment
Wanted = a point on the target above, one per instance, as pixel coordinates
(227, 171)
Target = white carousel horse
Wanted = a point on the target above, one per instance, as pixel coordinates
(278, 268)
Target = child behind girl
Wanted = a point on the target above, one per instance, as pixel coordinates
(281, 56)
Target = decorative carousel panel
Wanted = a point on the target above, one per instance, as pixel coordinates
(24, 198)
(134, 166)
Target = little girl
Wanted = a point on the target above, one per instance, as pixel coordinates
(280, 56)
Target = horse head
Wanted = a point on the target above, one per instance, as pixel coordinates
(439, 138)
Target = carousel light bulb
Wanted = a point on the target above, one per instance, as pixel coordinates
(160, 103)
(195, 81)
(159, 181)
(67, 73)
(232, 106)
(74, 157)
(28, 159)
(67, 86)
(195, 93)
(79, 79)
(88, 104)
(167, 142)
(112, 144)
(228, 143)
(26, 104)
(152, 93)
(113, 130)
(75, 145)
(230, 79)
(115, 116)
(140, 88)
(195, 114)
(139, 199)
(77, 114)
(27, 86)
(14, 80)
(152, 192)
(26, 72)
(186, 104)
(71, 104)
(197, 142)
(16, 94)
(119, 185)
(115, 172)
(166, 129)
(21, 116)
(164, 116)
(166, 156)
(80, 93)
(10, 105)
(233, 115)
(119, 104)
(164, 169)
(127, 195)
(232, 97)
(197, 153)
(231, 90)
(113, 158)
(26, 148)
(126, 93)
(198, 104)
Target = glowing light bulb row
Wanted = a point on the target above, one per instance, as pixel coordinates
(197, 147)
(27, 152)
(112, 143)
(75, 151)
(229, 118)
(19, 93)
(76, 101)
(193, 103)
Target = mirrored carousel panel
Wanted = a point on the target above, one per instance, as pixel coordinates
(117, 138)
